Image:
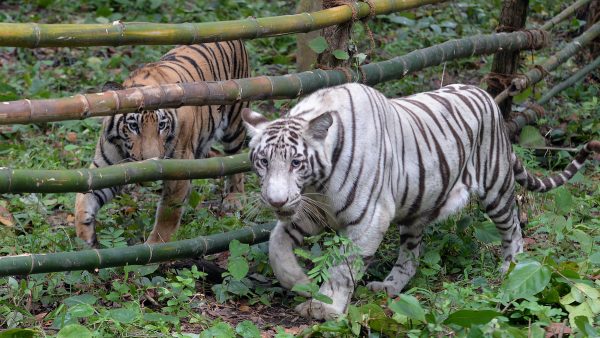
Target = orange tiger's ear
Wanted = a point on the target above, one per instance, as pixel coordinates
(254, 122)
(111, 85)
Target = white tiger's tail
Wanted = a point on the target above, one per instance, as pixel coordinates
(533, 183)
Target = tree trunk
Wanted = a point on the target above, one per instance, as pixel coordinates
(306, 58)
(506, 63)
(337, 38)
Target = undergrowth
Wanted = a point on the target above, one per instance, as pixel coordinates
(552, 290)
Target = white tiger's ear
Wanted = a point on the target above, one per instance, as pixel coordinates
(254, 122)
(318, 127)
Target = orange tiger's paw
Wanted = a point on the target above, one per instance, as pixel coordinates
(231, 203)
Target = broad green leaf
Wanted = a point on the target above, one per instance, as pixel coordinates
(310, 288)
(579, 310)
(563, 200)
(159, 317)
(340, 54)
(238, 267)
(594, 258)
(80, 299)
(18, 333)
(409, 306)
(527, 279)
(142, 270)
(467, 318)
(123, 315)
(247, 329)
(322, 298)
(487, 232)
(194, 199)
(81, 311)
(219, 330)
(531, 137)
(236, 248)
(399, 19)
(582, 238)
(584, 325)
(463, 223)
(318, 44)
(74, 331)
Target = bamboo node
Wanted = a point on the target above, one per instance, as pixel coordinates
(38, 35)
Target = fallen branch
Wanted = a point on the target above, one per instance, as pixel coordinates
(567, 12)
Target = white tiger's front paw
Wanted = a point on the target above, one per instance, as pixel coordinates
(318, 310)
(390, 288)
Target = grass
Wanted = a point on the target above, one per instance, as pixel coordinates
(458, 276)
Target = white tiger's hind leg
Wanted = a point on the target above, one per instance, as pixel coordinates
(501, 207)
(410, 243)
(406, 264)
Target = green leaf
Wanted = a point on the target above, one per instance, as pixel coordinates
(486, 232)
(531, 137)
(159, 317)
(74, 331)
(322, 298)
(409, 306)
(80, 299)
(81, 311)
(340, 54)
(247, 329)
(236, 248)
(579, 310)
(594, 258)
(318, 44)
(18, 333)
(238, 267)
(467, 318)
(399, 19)
(123, 315)
(219, 330)
(527, 279)
(563, 200)
(194, 199)
(583, 324)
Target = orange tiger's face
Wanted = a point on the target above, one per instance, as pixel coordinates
(149, 134)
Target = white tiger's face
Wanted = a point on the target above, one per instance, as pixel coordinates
(287, 155)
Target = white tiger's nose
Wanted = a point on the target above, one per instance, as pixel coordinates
(276, 203)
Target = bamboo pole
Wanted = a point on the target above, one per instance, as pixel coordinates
(26, 264)
(82, 180)
(33, 35)
(567, 12)
(263, 87)
(529, 116)
(536, 74)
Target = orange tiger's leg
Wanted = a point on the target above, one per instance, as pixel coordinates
(169, 211)
(233, 141)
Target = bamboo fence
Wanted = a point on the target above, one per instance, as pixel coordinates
(529, 116)
(536, 74)
(263, 87)
(34, 35)
(83, 180)
(135, 254)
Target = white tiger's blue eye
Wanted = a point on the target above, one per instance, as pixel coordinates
(133, 126)
(296, 163)
(264, 162)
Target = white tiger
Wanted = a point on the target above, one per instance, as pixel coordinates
(373, 160)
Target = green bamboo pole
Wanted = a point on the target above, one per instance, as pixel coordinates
(33, 35)
(539, 72)
(263, 87)
(26, 264)
(567, 12)
(529, 116)
(82, 180)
